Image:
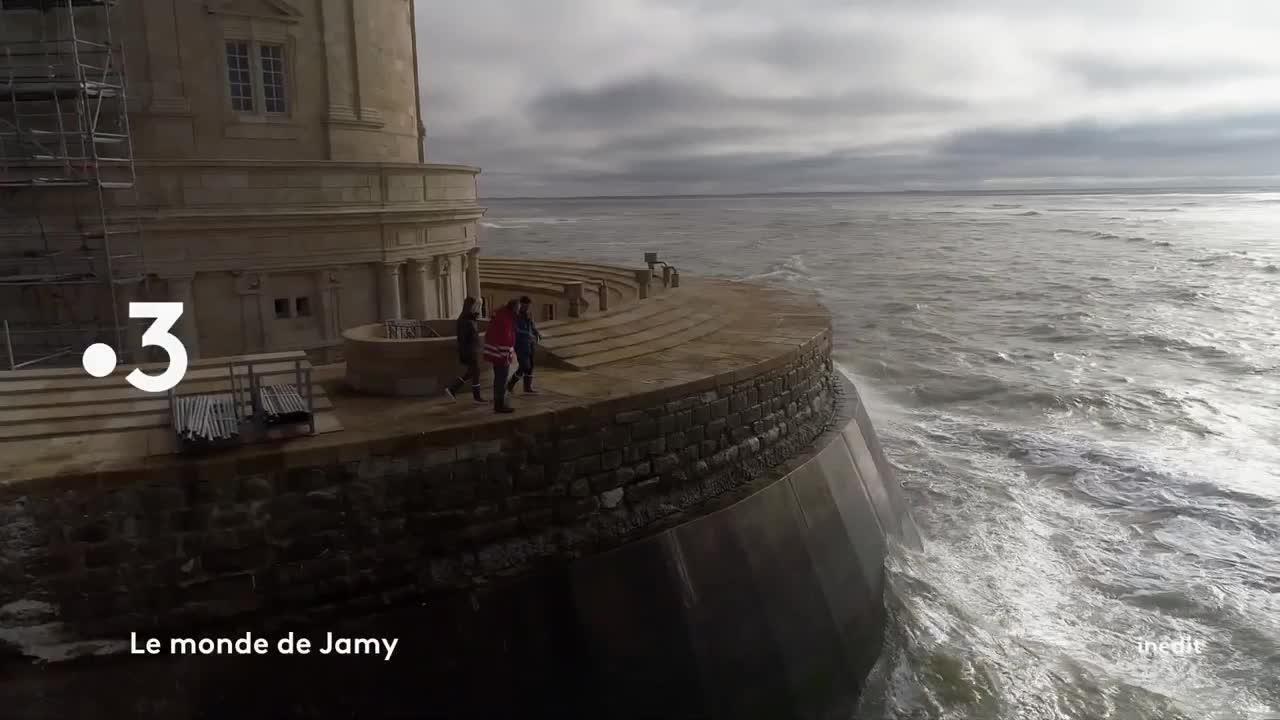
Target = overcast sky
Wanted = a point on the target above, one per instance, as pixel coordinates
(589, 97)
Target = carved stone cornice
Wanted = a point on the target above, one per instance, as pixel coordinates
(278, 10)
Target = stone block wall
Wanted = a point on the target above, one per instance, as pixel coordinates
(382, 521)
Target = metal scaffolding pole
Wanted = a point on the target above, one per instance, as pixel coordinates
(64, 130)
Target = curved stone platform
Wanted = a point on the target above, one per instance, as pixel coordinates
(546, 281)
(766, 603)
(502, 526)
(664, 322)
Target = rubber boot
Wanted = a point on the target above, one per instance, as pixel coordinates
(528, 385)
(475, 393)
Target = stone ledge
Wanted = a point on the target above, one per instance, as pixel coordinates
(275, 533)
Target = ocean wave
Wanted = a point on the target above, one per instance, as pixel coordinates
(1029, 213)
(1189, 295)
(1004, 206)
(1162, 494)
(764, 276)
(1099, 234)
(894, 307)
(1050, 332)
(536, 220)
(1161, 243)
(1271, 269)
(501, 226)
(1166, 343)
(1211, 259)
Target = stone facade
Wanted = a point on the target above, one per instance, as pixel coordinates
(282, 209)
(376, 522)
(350, 80)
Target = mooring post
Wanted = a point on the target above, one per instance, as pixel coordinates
(642, 279)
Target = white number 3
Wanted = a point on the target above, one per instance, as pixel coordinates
(166, 314)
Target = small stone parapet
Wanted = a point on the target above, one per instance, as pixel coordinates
(372, 523)
(409, 366)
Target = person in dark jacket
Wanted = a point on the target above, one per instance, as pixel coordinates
(468, 337)
(499, 350)
(527, 337)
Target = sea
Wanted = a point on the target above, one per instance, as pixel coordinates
(1081, 395)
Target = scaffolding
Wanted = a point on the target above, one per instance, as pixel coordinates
(73, 247)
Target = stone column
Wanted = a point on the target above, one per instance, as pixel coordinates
(418, 276)
(443, 290)
(389, 292)
(473, 273)
(181, 291)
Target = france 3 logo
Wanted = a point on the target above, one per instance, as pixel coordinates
(100, 359)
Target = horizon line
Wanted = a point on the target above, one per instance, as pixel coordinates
(1151, 190)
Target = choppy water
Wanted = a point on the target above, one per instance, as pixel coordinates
(1082, 395)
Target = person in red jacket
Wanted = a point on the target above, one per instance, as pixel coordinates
(499, 350)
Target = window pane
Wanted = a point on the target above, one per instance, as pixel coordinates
(239, 78)
(271, 57)
(282, 308)
(303, 307)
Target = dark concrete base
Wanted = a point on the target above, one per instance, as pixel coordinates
(769, 606)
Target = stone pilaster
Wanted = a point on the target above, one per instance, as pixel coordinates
(389, 292)
(328, 287)
(181, 291)
(248, 292)
(131, 331)
(266, 311)
(167, 94)
(339, 65)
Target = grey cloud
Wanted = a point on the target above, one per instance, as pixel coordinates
(1194, 149)
(680, 139)
(799, 47)
(667, 96)
(1249, 136)
(644, 100)
(1116, 74)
